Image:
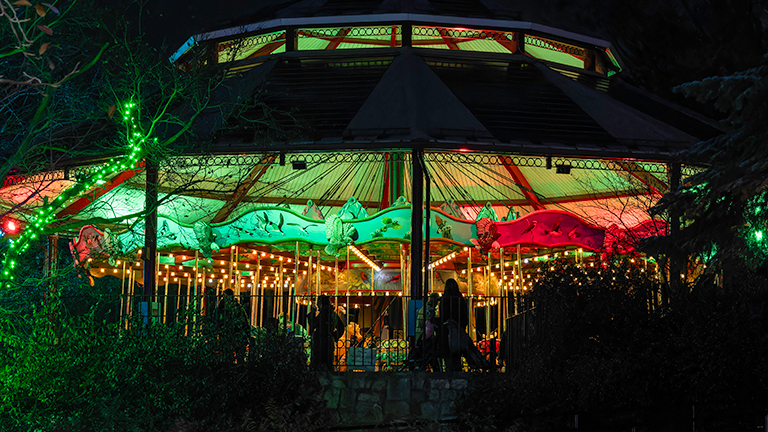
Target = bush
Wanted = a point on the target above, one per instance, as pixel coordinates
(600, 352)
(83, 372)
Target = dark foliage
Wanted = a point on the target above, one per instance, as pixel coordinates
(84, 371)
(600, 352)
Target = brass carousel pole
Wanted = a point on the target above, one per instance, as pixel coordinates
(310, 291)
(404, 302)
(488, 299)
(126, 312)
(294, 304)
(519, 293)
(318, 273)
(259, 293)
(347, 308)
(469, 294)
(123, 299)
(282, 307)
(165, 294)
(502, 297)
(336, 281)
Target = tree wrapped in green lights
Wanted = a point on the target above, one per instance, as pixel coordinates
(125, 102)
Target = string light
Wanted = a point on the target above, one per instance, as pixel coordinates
(39, 220)
(364, 258)
(444, 259)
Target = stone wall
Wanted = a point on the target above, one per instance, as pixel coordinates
(369, 399)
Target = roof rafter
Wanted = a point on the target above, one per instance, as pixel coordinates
(83, 202)
(647, 178)
(243, 188)
(523, 184)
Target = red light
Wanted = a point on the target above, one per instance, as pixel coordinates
(11, 226)
(464, 150)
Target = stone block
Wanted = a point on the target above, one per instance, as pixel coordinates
(399, 388)
(332, 397)
(324, 379)
(417, 382)
(337, 382)
(368, 413)
(397, 410)
(356, 381)
(433, 395)
(448, 411)
(459, 383)
(448, 395)
(368, 397)
(347, 398)
(429, 411)
(380, 384)
(418, 395)
(439, 384)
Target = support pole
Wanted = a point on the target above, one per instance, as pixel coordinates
(259, 292)
(347, 304)
(427, 208)
(318, 273)
(166, 293)
(150, 236)
(488, 299)
(502, 294)
(469, 294)
(281, 289)
(309, 274)
(676, 262)
(520, 280)
(336, 283)
(193, 297)
(123, 292)
(417, 179)
(294, 305)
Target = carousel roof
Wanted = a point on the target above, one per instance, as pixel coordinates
(351, 82)
(513, 116)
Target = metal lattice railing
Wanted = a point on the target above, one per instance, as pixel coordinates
(251, 160)
(350, 31)
(253, 41)
(555, 46)
(463, 33)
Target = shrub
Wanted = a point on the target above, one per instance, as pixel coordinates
(83, 372)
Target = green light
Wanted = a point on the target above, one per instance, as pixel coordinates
(76, 190)
(759, 235)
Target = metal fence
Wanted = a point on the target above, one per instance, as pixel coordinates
(365, 332)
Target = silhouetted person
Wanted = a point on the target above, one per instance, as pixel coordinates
(232, 325)
(454, 318)
(326, 328)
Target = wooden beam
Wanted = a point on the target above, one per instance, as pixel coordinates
(656, 185)
(522, 183)
(338, 39)
(81, 203)
(243, 188)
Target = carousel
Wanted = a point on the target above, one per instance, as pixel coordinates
(414, 147)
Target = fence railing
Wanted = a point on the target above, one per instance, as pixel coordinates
(372, 332)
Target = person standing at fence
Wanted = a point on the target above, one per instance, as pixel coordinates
(232, 326)
(454, 316)
(327, 328)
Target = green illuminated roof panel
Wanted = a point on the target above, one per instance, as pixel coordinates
(555, 52)
(249, 47)
(463, 39)
(309, 39)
